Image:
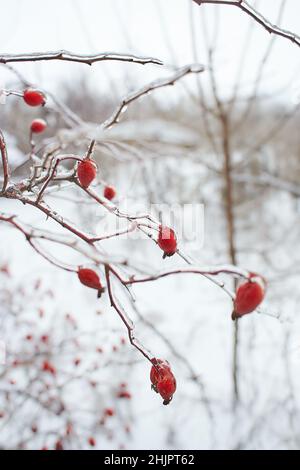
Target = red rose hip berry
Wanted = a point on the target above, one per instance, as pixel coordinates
(158, 371)
(34, 97)
(59, 445)
(163, 380)
(124, 394)
(249, 296)
(38, 126)
(90, 278)
(166, 388)
(109, 412)
(92, 441)
(109, 192)
(86, 172)
(167, 241)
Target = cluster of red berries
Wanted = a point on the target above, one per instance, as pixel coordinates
(249, 296)
(162, 380)
(90, 278)
(34, 98)
(43, 338)
(59, 444)
(87, 168)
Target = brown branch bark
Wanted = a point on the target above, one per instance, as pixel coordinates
(229, 204)
(4, 157)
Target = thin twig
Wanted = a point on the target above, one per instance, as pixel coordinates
(4, 157)
(114, 118)
(258, 17)
(126, 322)
(52, 174)
(205, 270)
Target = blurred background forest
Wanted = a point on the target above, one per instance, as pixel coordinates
(226, 138)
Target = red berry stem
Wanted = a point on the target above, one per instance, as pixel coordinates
(90, 149)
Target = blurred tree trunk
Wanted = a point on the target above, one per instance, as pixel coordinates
(231, 235)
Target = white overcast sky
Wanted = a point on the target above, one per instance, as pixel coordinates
(159, 28)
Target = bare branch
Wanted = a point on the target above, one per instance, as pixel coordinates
(81, 58)
(88, 251)
(122, 315)
(52, 174)
(194, 68)
(258, 17)
(4, 162)
(29, 236)
(212, 270)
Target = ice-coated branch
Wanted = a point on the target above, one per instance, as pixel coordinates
(89, 251)
(127, 322)
(47, 174)
(52, 174)
(258, 17)
(203, 270)
(29, 237)
(139, 222)
(182, 72)
(4, 158)
(88, 59)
